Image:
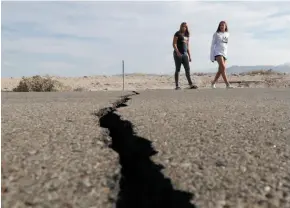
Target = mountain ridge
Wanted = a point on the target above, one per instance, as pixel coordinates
(282, 68)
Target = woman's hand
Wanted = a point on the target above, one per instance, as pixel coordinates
(178, 54)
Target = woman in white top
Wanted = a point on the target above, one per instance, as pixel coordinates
(218, 52)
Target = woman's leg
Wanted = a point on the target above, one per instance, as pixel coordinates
(185, 62)
(177, 61)
(222, 68)
(217, 76)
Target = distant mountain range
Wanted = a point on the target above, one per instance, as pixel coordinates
(283, 68)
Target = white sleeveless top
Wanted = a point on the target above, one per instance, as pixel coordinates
(219, 45)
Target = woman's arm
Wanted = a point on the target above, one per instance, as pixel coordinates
(188, 50)
(212, 47)
(175, 38)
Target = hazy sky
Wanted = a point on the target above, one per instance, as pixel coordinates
(87, 38)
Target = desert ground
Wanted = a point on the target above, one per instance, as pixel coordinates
(159, 148)
(257, 79)
(93, 145)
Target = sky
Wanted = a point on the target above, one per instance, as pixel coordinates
(74, 38)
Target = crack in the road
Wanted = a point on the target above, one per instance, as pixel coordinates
(141, 183)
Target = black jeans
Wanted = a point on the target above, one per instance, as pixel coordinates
(184, 60)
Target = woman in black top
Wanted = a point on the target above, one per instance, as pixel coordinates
(181, 54)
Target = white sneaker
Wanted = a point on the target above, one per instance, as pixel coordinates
(229, 87)
(213, 86)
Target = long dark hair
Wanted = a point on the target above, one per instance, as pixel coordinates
(218, 29)
(187, 33)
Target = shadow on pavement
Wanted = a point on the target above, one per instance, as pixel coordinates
(142, 184)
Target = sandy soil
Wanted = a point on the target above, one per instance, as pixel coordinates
(144, 81)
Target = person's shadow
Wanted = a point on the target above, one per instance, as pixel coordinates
(142, 185)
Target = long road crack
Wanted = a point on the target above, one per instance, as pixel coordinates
(142, 183)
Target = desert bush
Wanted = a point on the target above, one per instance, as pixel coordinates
(80, 89)
(260, 72)
(278, 82)
(199, 74)
(235, 75)
(39, 84)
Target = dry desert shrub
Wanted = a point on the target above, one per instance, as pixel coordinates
(80, 89)
(39, 84)
(276, 82)
(200, 74)
(260, 72)
(204, 81)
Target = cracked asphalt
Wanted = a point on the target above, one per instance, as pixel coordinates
(230, 148)
(52, 151)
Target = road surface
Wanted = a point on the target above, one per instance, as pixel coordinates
(166, 148)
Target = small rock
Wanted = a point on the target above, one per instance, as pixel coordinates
(32, 152)
(198, 173)
(222, 203)
(69, 120)
(267, 188)
(173, 164)
(185, 165)
(10, 178)
(86, 182)
(269, 195)
(243, 169)
(200, 167)
(52, 196)
(220, 163)
(280, 184)
(29, 203)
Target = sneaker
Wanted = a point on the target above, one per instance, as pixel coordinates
(229, 87)
(213, 86)
(177, 88)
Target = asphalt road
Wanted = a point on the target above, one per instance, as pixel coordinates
(191, 148)
(229, 148)
(53, 153)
